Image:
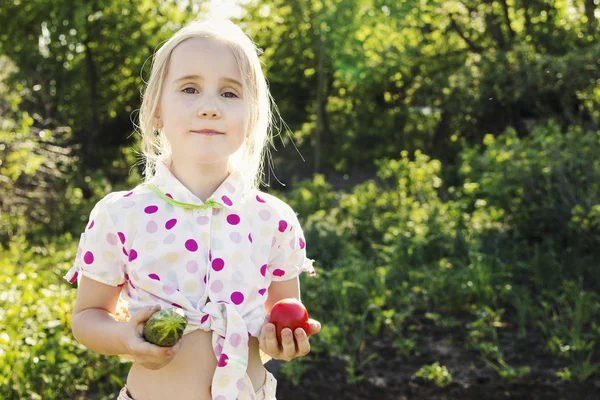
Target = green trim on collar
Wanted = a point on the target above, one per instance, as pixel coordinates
(210, 202)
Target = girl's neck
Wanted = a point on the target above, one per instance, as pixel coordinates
(201, 179)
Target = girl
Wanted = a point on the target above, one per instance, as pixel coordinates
(197, 234)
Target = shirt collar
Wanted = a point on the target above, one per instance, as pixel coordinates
(228, 194)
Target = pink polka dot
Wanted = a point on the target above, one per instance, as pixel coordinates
(233, 219)
(169, 195)
(216, 286)
(235, 237)
(154, 276)
(218, 264)
(171, 223)
(202, 220)
(259, 199)
(209, 255)
(191, 266)
(168, 289)
(88, 258)
(121, 237)
(169, 239)
(91, 225)
(263, 270)
(240, 384)
(176, 305)
(128, 194)
(128, 204)
(125, 252)
(151, 209)
(262, 292)
(151, 227)
(204, 318)
(302, 243)
(279, 272)
(132, 255)
(237, 298)
(226, 200)
(229, 187)
(218, 349)
(215, 211)
(112, 239)
(265, 215)
(235, 339)
(191, 245)
(250, 237)
(204, 279)
(74, 278)
(282, 225)
(223, 360)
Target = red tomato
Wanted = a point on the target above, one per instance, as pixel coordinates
(289, 313)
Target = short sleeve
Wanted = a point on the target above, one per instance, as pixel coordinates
(100, 254)
(288, 256)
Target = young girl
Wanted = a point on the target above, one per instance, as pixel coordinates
(197, 234)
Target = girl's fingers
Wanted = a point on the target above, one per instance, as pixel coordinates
(272, 345)
(302, 340)
(262, 339)
(314, 327)
(293, 344)
(288, 343)
(145, 313)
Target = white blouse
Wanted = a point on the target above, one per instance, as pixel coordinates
(214, 260)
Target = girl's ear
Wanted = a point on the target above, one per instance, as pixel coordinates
(157, 118)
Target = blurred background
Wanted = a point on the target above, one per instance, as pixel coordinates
(442, 157)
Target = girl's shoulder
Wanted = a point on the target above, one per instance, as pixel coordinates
(120, 201)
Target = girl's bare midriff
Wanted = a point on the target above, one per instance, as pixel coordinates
(189, 375)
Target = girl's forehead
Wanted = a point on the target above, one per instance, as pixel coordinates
(203, 56)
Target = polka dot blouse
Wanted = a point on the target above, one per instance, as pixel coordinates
(214, 260)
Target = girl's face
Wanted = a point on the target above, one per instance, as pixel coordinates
(202, 90)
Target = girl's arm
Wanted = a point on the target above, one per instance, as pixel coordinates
(294, 345)
(282, 290)
(95, 326)
(93, 322)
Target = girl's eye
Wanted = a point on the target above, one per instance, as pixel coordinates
(229, 95)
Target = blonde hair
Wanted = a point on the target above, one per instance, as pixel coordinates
(258, 122)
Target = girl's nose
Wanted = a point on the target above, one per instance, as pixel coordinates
(210, 113)
(208, 108)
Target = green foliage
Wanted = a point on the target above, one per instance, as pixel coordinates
(482, 121)
(39, 358)
(483, 336)
(546, 187)
(567, 327)
(388, 250)
(436, 373)
(294, 369)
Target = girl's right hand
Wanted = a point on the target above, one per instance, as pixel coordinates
(145, 353)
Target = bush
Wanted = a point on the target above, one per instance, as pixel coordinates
(545, 188)
(39, 357)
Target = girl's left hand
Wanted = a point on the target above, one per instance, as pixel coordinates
(290, 348)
